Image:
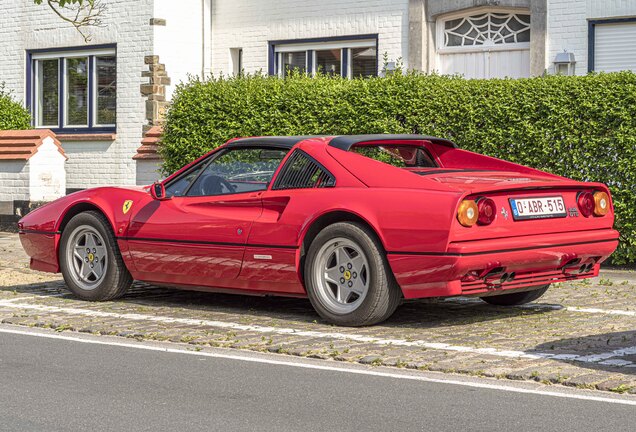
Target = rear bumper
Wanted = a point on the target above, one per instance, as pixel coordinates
(535, 260)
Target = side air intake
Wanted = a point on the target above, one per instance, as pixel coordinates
(301, 171)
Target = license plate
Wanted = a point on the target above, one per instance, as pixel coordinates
(537, 208)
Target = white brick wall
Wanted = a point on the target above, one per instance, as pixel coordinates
(25, 26)
(47, 176)
(250, 24)
(568, 26)
(148, 172)
(14, 178)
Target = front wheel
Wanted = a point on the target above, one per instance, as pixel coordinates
(347, 277)
(516, 299)
(90, 260)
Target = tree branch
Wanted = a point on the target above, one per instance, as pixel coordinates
(81, 14)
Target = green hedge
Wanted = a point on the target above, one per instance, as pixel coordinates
(579, 127)
(12, 114)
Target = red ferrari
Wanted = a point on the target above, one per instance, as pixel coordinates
(355, 223)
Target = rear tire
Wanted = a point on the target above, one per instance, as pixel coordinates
(90, 259)
(516, 299)
(348, 280)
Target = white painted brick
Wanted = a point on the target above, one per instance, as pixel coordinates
(251, 24)
(25, 26)
(148, 172)
(568, 26)
(14, 180)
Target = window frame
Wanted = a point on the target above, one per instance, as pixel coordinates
(591, 36)
(311, 45)
(61, 55)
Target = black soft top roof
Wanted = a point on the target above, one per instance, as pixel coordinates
(273, 141)
(342, 142)
(345, 142)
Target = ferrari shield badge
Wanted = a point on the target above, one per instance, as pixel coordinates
(127, 205)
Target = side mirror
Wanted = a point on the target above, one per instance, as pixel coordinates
(158, 191)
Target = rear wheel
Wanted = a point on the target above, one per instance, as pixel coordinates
(347, 278)
(516, 299)
(90, 260)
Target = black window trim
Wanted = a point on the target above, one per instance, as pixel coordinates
(281, 171)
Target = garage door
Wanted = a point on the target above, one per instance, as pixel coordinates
(615, 47)
(484, 45)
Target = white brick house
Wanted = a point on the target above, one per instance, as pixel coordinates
(100, 98)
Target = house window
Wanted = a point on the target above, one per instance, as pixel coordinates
(487, 29)
(329, 61)
(364, 62)
(350, 57)
(74, 91)
(293, 61)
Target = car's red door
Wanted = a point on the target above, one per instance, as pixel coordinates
(198, 235)
(192, 240)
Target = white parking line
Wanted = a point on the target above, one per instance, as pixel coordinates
(15, 299)
(551, 307)
(316, 334)
(527, 388)
(599, 311)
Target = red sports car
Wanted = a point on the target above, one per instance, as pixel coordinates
(355, 223)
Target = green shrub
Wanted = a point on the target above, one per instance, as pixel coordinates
(579, 127)
(12, 114)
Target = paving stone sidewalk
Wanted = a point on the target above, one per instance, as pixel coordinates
(578, 334)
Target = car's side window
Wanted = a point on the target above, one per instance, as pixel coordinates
(180, 185)
(238, 170)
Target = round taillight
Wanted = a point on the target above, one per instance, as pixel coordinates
(585, 201)
(601, 203)
(487, 211)
(468, 213)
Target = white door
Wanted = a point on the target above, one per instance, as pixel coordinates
(614, 48)
(487, 64)
(491, 44)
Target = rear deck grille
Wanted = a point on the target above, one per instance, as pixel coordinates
(523, 280)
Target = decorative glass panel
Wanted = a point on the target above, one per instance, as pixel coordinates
(364, 62)
(106, 90)
(487, 29)
(77, 91)
(294, 61)
(47, 92)
(328, 61)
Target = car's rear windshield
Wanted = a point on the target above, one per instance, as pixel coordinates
(402, 156)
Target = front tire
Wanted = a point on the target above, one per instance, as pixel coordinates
(516, 299)
(90, 259)
(348, 280)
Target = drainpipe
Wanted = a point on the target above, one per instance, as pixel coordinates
(206, 35)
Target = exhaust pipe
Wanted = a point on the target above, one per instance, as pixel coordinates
(501, 277)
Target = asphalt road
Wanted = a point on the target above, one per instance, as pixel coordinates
(63, 385)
